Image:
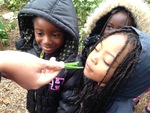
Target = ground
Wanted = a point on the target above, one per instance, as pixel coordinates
(13, 97)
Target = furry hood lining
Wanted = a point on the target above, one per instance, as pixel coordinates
(139, 10)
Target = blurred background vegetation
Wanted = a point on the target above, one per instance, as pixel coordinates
(83, 9)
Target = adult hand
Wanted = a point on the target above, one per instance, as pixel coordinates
(27, 70)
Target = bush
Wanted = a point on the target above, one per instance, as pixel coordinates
(4, 28)
(15, 5)
(83, 9)
(3, 32)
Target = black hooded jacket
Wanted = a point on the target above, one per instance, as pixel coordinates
(62, 14)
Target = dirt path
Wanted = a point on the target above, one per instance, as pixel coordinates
(12, 97)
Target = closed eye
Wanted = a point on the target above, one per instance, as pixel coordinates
(108, 64)
(96, 49)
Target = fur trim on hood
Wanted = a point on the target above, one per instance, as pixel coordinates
(139, 10)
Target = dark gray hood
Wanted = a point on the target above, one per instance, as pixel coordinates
(60, 12)
(55, 11)
(140, 80)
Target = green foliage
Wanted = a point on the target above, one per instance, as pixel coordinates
(12, 25)
(148, 3)
(83, 9)
(3, 32)
(15, 5)
(73, 65)
(8, 25)
(4, 28)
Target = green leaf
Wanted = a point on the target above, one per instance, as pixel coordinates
(73, 65)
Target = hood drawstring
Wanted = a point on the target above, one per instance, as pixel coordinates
(42, 54)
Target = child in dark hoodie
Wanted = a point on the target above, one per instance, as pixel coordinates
(48, 28)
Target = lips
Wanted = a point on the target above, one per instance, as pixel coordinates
(47, 48)
(87, 66)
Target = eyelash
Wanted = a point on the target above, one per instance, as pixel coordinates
(56, 35)
(106, 62)
(103, 58)
(96, 50)
(109, 26)
(39, 34)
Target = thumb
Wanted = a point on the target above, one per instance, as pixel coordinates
(52, 65)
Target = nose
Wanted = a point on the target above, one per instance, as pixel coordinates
(95, 58)
(47, 40)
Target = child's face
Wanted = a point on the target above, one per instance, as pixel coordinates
(48, 36)
(100, 59)
(117, 21)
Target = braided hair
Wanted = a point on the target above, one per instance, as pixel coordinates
(97, 99)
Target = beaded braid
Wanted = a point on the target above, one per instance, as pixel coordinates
(100, 100)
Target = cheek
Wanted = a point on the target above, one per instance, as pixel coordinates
(108, 76)
(105, 32)
(38, 39)
(59, 42)
(99, 74)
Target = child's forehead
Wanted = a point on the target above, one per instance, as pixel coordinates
(121, 16)
(116, 37)
(41, 19)
(120, 13)
(120, 9)
(45, 22)
(113, 42)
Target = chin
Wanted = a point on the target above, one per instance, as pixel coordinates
(86, 74)
(48, 52)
